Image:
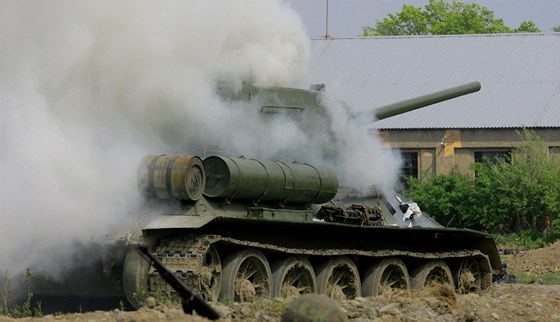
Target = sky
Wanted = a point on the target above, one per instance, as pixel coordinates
(347, 17)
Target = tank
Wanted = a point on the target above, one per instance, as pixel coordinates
(250, 228)
(238, 229)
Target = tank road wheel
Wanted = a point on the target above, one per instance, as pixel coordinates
(293, 276)
(469, 276)
(135, 278)
(390, 273)
(431, 272)
(339, 279)
(211, 274)
(246, 276)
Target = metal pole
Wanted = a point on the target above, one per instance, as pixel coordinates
(327, 36)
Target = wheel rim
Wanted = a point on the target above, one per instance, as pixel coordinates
(292, 277)
(251, 281)
(297, 282)
(246, 276)
(432, 272)
(469, 276)
(335, 286)
(383, 276)
(437, 276)
(135, 278)
(393, 277)
(211, 274)
(339, 279)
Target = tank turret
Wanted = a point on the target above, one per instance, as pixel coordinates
(307, 110)
(291, 100)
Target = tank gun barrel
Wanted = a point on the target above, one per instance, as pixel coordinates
(420, 101)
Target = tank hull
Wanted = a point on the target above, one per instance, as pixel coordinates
(184, 250)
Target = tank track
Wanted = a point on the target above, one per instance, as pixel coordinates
(186, 256)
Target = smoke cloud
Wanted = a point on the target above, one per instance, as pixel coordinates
(88, 87)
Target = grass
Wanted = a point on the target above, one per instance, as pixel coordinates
(546, 279)
(23, 310)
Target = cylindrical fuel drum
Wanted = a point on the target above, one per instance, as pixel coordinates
(239, 178)
(171, 176)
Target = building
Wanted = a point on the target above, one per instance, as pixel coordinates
(519, 74)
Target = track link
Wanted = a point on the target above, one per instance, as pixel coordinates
(185, 256)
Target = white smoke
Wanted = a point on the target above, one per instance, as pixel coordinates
(88, 87)
(364, 163)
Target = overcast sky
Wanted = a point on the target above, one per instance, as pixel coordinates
(347, 17)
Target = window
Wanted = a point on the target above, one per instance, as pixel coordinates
(554, 152)
(409, 168)
(410, 164)
(491, 156)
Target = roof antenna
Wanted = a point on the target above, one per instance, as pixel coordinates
(327, 36)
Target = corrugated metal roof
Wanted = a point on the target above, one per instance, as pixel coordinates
(519, 73)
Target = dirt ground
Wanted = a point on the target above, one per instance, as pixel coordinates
(537, 262)
(502, 302)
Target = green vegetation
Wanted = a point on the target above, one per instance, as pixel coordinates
(24, 310)
(517, 197)
(547, 279)
(524, 240)
(442, 18)
(140, 295)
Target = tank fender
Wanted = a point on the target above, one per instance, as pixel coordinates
(178, 221)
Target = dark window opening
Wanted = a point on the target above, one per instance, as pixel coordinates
(491, 156)
(554, 152)
(410, 164)
(409, 167)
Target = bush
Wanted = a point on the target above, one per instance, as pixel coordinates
(519, 195)
(552, 233)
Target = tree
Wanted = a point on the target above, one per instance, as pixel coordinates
(410, 21)
(556, 29)
(442, 18)
(527, 26)
(533, 177)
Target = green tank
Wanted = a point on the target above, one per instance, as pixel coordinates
(237, 229)
(250, 228)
